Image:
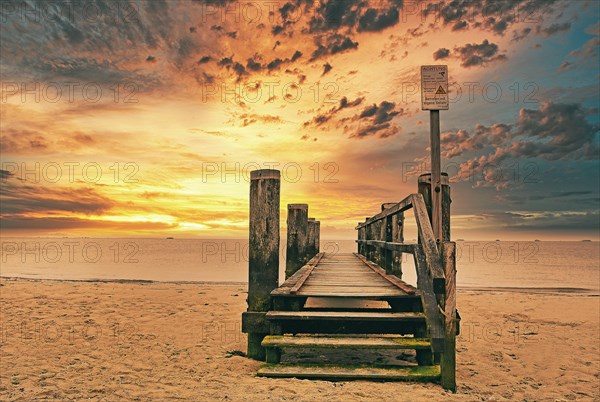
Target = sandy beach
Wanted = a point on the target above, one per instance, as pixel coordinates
(166, 341)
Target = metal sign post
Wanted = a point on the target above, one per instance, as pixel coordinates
(434, 97)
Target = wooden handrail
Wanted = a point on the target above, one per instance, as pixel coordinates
(400, 247)
(430, 248)
(397, 208)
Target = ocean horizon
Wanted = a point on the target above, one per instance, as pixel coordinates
(566, 266)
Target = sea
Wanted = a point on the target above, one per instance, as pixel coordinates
(569, 266)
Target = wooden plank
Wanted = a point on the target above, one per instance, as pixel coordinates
(401, 247)
(399, 207)
(369, 296)
(434, 318)
(429, 245)
(286, 286)
(355, 372)
(348, 284)
(390, 278)
(448, 360)
(346, 342)
(306, 274)
(360, 279)
(344, 316)
(349, 289)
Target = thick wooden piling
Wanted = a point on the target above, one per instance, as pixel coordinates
(310, 249)
(263, 267)
(425, 189)
(297, 238)
(448, 357)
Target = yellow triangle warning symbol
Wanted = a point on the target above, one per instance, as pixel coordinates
(440, 91)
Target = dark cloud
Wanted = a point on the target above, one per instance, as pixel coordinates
(21, 199)
(517, 36)
(554, 132)
(459, 25)
(554, 28)
(376, 120)
(326, 68)
(473, 54)
(334, 14)
(325, 117)
(205, 60)
(373, 20)
(296, 55)
(226, 61)
(382, 113)
(334, 44)
(492, 15)
(253, 65)
(441, 54)
(563, 129)
(251, 118)
(151, 59)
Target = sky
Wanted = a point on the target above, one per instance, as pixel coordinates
(145, 118)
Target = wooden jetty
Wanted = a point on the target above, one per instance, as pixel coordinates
(280, 317)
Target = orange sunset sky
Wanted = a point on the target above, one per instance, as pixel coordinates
(144, 118)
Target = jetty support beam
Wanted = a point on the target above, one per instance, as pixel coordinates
(263, 265)
(297, 238)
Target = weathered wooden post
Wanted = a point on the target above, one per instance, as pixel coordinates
(361, 236)
(368, 236)
(397, 237)
(297, 238)
(425, 189)
(310, 248)
(448, 357)
(317, 237)
(263, 267)
(389, 254)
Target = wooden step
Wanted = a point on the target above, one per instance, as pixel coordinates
(345, 342)
(351, 372)
(344, 316)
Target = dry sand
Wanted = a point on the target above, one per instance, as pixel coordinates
(132, 341)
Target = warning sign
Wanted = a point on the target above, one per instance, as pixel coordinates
(434, 88)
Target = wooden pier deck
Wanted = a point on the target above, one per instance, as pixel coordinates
(327, 277)
(351, 301)
(344, 275)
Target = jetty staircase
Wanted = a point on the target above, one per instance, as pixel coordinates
(351, 303)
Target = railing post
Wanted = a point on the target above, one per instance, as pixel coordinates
(317, 237)
(381, 227)
(361, 236)
(297, 238)
(369, 236)
(263, 266)
(310, 248)
(425, 189)
(389, 254)
(397, 237)
(448, 358)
